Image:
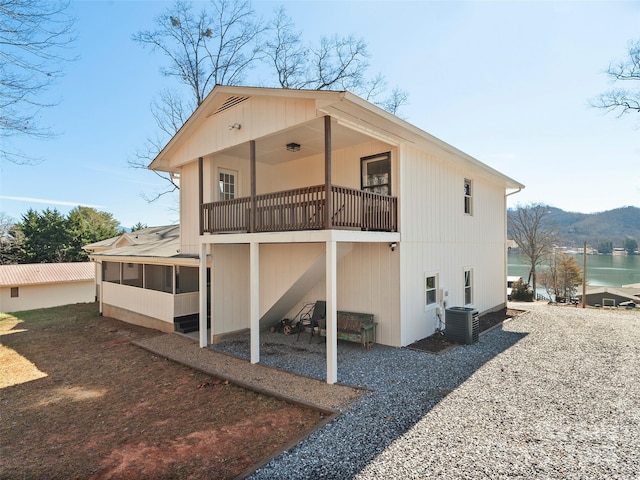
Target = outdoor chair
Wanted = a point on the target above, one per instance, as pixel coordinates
(313, 320)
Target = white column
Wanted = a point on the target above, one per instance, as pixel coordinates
(332, 315)
(202, 325)
(101, 281)
(254, 298)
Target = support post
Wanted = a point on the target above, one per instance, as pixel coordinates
(328, 212)
(252, 163)
(331, 313)
(254, 298)
(99, 276)
(200, 193)
(202, 311)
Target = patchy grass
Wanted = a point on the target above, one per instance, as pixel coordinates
(78, 400)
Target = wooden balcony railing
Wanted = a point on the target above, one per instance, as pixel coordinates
(302, 209)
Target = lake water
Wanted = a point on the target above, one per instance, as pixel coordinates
(602, 270)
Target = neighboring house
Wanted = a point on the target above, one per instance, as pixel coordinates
(611, 296)
(295, 196)
(143, 277)
(43, 285)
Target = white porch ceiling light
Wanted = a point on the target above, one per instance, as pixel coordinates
(293, 147)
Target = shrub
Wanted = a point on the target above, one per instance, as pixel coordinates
(521, 291)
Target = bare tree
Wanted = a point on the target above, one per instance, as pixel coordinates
(623, 100)
(203, 49)
(334, 63)
(562, 278)
(220, 45)
(10, 240)
(529, 227)
(395, 101)
(34, 37)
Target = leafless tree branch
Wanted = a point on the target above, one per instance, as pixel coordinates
(529, 227)
(622, 100)
(35, 37)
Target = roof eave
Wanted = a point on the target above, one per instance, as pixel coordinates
(161, 161)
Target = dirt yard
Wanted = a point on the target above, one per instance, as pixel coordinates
(78, 400)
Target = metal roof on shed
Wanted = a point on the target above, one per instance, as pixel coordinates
(42, 273)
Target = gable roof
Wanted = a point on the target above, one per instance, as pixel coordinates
(351, 113)
(152, 242)
(42, 273)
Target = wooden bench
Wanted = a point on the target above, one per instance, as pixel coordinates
(354, 327)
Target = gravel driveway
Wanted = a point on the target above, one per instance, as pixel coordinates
(555, 393)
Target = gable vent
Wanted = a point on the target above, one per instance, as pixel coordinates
(230, 102)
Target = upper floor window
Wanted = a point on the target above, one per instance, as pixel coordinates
(15, 292)
(468, 292)
(467, 197)
(227, 184)
(376, 173)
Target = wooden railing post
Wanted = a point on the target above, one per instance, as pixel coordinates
(253, 211)
(201, 193)
(328, 210)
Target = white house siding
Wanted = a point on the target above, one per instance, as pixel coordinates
(439, 238)
(345, 168)
(151, 303)
(281, 265)
(229, 289)
(258, 116)
(185, 304)
(45, 296)
(367, 282)
(189, 209)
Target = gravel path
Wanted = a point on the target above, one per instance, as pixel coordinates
(555, 393)
(261, 378)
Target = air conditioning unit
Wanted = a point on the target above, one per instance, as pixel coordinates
(462, 325)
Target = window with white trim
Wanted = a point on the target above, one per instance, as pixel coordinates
(468, 287)
(467, 197)
(430, 289)
(227, 184)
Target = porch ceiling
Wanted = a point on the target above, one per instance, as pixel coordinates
(272, 149)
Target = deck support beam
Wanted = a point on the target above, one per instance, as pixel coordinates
(252, 167)
(332, 312)
(327, 173)
(254, 299)
(201, 192)
(202, 311)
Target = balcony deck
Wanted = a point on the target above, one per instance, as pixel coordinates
(302, 209)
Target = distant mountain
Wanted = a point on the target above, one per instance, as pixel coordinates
(613, 225)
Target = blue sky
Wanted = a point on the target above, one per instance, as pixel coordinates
(508, 82)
